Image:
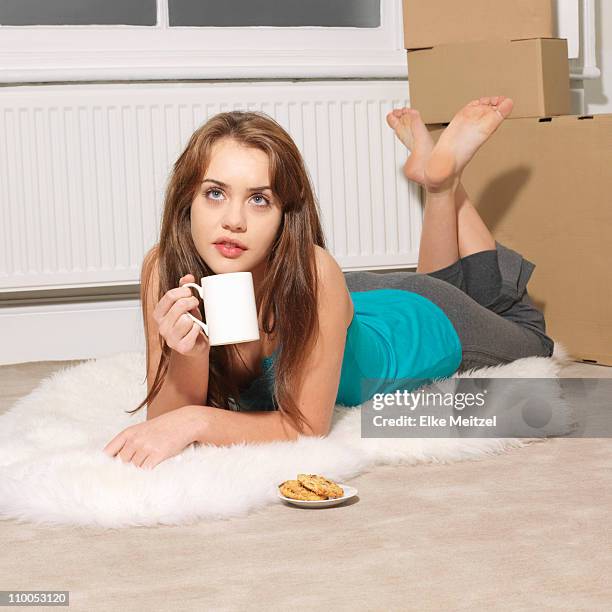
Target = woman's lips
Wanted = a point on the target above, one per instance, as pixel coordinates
(229, 251)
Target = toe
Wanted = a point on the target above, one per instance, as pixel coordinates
(505, 108)
(392, 120)
(417, 119)
(485, 100)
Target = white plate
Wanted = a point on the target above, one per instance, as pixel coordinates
(323, 503)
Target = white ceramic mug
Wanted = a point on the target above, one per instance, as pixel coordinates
(230, 308)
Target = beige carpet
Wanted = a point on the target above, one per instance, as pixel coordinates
(529, 530)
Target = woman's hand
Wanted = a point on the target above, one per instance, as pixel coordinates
(181, 333)
(151, 442)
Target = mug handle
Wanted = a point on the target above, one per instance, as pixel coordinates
(199, 289)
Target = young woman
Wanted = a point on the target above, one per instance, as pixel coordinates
(326, 337)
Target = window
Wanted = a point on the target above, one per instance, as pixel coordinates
(50, 40)
(288, 13)
(65, 40)
(206, 13)
(78, 12)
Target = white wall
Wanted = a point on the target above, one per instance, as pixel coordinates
(598, 92)
(87, 325)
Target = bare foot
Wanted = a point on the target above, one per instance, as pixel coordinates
(466, 133)
(410, 129)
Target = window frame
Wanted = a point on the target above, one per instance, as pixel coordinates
(45, 54)
(160, 52)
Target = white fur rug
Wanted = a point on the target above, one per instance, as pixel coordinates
(53, 469)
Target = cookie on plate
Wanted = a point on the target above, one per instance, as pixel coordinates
(320, 485)
(294, 490)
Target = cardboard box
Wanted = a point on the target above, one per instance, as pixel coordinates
(544, 189)
(534, 73)
(428, 23)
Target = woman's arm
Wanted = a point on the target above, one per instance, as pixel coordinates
(186, 381)
(147, 444)
(225, 427)
(318, 387)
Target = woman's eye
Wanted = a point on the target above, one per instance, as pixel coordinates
(212, 193)
(261, 200)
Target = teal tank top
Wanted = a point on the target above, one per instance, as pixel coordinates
(397, 340)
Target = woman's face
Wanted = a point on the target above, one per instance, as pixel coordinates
(235, 202)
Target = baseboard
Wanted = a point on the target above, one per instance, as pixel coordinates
(78, 330)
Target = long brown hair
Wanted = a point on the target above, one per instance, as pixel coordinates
(289, 290)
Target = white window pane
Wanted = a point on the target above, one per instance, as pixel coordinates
(78, 12)
(287, 13)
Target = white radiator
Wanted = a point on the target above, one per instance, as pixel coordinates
(83, 170)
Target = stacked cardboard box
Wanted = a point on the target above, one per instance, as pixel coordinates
(543, 187)
(459, 50)
(542, 182)
(428, 23)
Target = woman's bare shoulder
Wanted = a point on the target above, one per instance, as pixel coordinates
(149, 264)
(332, 282)
(327, 267)
(325, 260)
